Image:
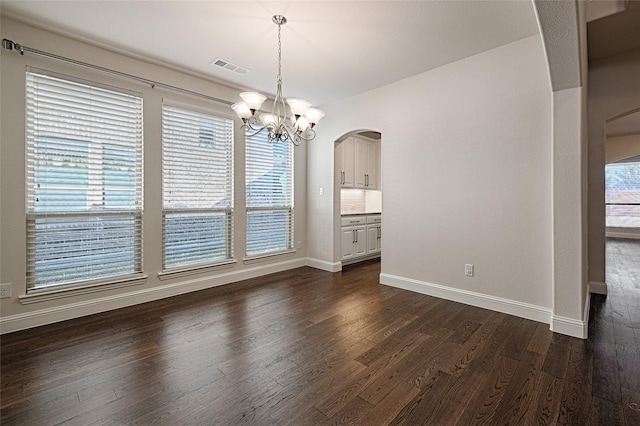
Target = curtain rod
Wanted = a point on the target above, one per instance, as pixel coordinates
(10, 45)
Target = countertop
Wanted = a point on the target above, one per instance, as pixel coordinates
(360, 214)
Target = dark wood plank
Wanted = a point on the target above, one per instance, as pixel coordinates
(556, 360)
(577, 386)
(421, 407)
(605, 412)
(546, 401)
(541, 339)
(606, 383)
(351, 414)
(388, 407)
(515, 405)
(472, 347)
(481, 407)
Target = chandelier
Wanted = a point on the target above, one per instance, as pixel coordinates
(295, 128)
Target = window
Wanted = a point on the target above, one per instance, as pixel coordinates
(197, 188)
(269, 192)
(84, 182)
(622, 194)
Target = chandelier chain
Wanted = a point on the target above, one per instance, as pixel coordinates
(279, 53)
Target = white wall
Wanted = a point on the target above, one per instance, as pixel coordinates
(16, 315)
(563, 30)
(466, 171)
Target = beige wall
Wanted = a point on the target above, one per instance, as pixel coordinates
(466, 172)
(15, 314)
(614, 90)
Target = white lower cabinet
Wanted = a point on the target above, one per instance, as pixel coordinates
(374, 236)
(361, 237)
(353, 242)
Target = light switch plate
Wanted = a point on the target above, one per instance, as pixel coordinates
(5, 291)
(468, 270)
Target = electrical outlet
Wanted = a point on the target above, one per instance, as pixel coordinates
(299, 245)
(468, 270)
(5, 291)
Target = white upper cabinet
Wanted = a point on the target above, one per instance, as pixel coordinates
(357, 158)
(345, 156)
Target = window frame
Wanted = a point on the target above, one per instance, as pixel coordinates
(622, 203)
(95, 206)
(252, 206)
(168, 272)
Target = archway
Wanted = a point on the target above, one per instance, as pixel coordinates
(358, 186)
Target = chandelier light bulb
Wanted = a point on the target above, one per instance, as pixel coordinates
(253, 100)
(298, 106)
(314, 115)
(242, 109)
(302, 124)
(268, 120)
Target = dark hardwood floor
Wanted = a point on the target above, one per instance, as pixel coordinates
(307, 347)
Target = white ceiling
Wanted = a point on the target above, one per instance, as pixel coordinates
(330, 49)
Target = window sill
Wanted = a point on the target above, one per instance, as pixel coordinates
(182, 272)
(268, 256)
(43, 295)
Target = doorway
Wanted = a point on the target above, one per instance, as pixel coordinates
(359, 189)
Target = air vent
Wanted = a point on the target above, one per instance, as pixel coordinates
(229, 66)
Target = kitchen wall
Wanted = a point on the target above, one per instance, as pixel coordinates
(354, 201)
(466, 173)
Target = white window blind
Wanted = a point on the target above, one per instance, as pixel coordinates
(622, 193)
(84, 182)
(197, 187)
(269, 192)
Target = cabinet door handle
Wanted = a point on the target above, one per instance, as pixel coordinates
(344, 177)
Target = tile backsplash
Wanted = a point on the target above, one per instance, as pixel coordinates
(360, 201)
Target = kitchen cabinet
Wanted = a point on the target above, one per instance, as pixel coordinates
(365, 164)
(345, 156)
(357, 160)
(354, 239)
(361, 237)
(374, 238)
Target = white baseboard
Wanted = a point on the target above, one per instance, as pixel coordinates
(324, 265)
(507, 306)
(598, 287)
(75, 310)
(569, 326)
